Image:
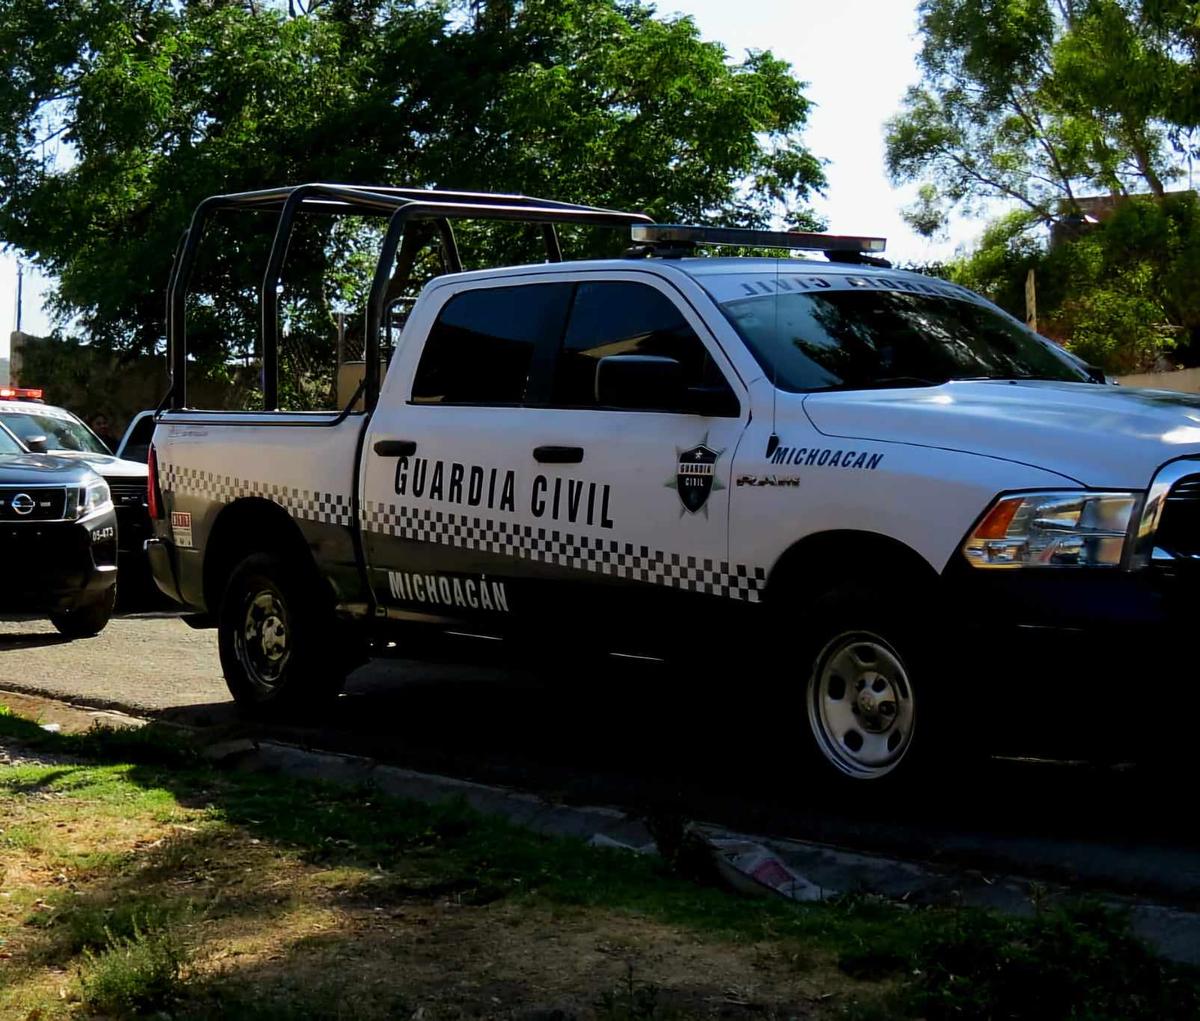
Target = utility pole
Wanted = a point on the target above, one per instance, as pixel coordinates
(20, 289)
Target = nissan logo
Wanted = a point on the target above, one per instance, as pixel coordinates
(23, 504)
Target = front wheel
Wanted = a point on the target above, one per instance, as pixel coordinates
(862, 705)
(88, 619)
(277, 637)
(873, 697)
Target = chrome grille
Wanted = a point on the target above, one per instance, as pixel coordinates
(32, 503)
(1179, 527)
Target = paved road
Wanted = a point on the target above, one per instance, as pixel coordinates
(153, 663)
(143, 663)
(623, 732)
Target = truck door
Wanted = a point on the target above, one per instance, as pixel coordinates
(447, 468)
(629, 503)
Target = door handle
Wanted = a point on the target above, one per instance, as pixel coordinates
(395, 448)
(558, 455)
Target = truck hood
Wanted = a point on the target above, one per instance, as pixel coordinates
(107, 465)
(41, 469)
(1099, 436)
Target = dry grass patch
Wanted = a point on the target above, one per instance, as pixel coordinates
(159, 887)
(120, 899)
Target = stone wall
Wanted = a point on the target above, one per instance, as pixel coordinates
(1187, 380)
(90, 382)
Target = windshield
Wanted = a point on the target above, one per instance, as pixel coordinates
(8, 445)
(62, 430)
(850, 339)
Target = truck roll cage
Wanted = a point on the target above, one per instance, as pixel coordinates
(400, 206)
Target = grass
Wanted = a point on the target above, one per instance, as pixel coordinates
(139, 881)
(133, 975)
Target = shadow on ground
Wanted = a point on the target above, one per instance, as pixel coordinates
(635, 735)
(286, 901)
(30, 640)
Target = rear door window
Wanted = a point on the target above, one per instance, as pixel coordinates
(483, 346)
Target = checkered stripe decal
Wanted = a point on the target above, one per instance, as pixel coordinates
(581, 552)
(327, 508)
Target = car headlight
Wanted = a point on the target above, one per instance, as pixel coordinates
(1062, 529)
(93, 498)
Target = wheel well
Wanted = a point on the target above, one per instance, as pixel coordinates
(821, 562)
(241, 529)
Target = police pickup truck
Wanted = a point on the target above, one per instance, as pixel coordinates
(867, 502)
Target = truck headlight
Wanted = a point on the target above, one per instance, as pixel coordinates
(1063, 529)
(93, 498)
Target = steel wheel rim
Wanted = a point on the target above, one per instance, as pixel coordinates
(262, 643)
(861, 706)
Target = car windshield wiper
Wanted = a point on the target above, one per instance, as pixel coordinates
(881, 383)
(1010, 377)
(884, 382)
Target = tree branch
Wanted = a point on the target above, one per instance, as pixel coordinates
(1034, 123)
(54, 134)
(999, 186)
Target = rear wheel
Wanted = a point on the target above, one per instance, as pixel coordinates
(277, 637)
(87, 619)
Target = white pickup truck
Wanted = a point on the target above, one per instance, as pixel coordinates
(867, 502)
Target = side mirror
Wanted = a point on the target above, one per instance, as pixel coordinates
(644, 382)
(36, 444)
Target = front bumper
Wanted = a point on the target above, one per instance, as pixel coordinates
(1071, 661)
(54, 566)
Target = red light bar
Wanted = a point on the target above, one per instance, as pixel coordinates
(20, 393)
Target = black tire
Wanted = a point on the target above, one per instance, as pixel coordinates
(278, 638)
(88, 619)
(872, 694)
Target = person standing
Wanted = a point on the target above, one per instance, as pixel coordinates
(102, 429)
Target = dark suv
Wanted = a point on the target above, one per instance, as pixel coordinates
(58, 540)
(43, 428)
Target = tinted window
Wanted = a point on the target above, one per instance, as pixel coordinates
(855, 339)
(481, 349)
(617, 318)
(62, 431)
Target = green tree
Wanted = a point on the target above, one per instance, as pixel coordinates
(1036, 101)
(154, 104)
(1120, 295)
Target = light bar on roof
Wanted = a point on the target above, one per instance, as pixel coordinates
(17, 393)
(666, 233)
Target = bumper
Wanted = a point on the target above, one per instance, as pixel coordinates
(55, 566)
(160, 557)
(1072, 662)
(133, 529)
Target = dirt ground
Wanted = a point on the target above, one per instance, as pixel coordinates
(265, 931)
(624, 735)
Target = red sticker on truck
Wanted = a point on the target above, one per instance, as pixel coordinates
(181, 528)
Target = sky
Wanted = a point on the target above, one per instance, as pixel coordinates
(858, 57)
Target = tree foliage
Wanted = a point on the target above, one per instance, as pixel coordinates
(1040, 101)
(1121, 295)
(117, 116)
